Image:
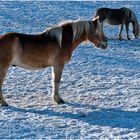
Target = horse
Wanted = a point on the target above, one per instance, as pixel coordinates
(50, 48)
(122, 16)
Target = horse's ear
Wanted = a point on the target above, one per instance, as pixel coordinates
(96, 21)
(96, 18)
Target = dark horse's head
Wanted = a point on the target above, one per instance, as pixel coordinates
(135, 29)
(134, 22)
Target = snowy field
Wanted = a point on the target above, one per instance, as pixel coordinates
(101, 88)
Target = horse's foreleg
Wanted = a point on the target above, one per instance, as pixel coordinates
(56, 76)
(127, 31)
(102, 26)
(120, 32)
(2, 76)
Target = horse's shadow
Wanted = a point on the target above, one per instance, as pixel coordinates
(115, 118)
(121, 40)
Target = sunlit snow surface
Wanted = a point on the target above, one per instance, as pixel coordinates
(101, 87)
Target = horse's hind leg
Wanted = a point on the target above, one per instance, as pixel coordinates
(3, 72)
(120, 32)
(56, 76)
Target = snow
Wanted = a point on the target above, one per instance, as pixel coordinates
(101, 87)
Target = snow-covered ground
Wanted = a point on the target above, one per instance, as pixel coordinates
(101, 87)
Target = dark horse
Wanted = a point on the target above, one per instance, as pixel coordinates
(53, 47)
(123, 16)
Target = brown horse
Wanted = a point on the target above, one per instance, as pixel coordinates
(123, 16)
(53, 47)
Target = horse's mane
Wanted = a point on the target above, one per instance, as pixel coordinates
(56, 32)
(78, 27)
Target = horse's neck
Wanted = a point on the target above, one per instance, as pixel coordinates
(79, 40)
(134, 23)
(134, 19)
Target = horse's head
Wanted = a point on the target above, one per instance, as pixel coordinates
(136, 30)
(96, 34)
(135, 23)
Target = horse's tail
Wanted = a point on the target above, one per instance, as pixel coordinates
(7, 44)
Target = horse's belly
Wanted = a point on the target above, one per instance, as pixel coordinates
(31, 64)
(112, 22)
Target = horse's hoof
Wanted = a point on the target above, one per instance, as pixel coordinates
(61, 102)
(120, 39)
(57, 99)
(4, 104)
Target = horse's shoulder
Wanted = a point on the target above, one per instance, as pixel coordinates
(67, 34)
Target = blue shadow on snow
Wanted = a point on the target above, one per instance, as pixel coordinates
(103, 117)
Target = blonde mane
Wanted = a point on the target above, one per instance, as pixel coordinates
(55, 32)
(78, 28)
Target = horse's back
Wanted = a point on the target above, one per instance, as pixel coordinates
(111, 16)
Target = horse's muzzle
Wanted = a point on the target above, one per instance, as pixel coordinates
(103, 45)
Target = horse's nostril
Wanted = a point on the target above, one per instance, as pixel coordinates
(104, 45)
